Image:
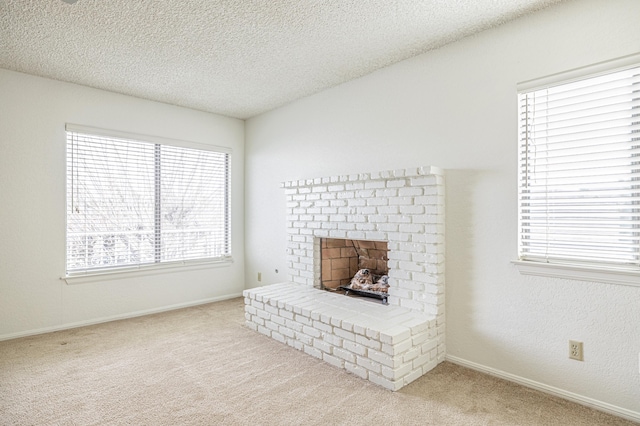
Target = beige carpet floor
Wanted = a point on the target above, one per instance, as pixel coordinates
(201, 366)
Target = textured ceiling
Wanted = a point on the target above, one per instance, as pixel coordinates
(236, 57)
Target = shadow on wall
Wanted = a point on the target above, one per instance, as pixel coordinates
(480, 222)
(460, 234)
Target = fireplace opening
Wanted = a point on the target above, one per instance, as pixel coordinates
(343, 259)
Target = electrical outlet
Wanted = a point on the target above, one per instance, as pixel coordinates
(259, 276)
(576, 350)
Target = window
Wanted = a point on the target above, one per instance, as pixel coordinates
(132, 202)
(579, 171)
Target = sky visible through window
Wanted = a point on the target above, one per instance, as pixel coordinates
(134, 203)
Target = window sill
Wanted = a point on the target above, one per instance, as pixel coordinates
(581, 273)
(139, 271)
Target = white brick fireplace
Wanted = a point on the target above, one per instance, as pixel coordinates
(389, 345)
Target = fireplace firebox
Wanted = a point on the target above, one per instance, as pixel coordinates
(343, 258)
(355, 267)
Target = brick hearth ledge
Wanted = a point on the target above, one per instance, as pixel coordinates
(388, 345)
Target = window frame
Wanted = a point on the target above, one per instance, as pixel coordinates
(124, 271)
(591, 272)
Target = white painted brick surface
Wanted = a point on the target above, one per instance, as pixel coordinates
(279, 337)
(336, 362)
(381, 381)
(354, 347)
(313, 352)
(391, 373)
(414, 375)
(368, 364)
(357, 370)
(347, 335)
(344, 354)
(323, 346)
(304, 339)
(333, 340)
(388, 345)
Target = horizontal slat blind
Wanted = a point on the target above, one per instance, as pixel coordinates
(193, 214)
(579, 169)
(132, 203)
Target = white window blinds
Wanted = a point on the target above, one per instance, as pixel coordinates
(579, 171)
(132, 203)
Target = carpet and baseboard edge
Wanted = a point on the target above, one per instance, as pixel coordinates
(134, 314)
(579, 399)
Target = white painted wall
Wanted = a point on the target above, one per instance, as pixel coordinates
(455, 108)
(33, 113)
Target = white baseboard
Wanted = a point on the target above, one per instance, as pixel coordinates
(68, 326)
(579, 399)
